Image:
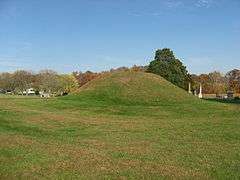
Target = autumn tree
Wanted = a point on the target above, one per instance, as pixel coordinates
(68, 83)
(233, 79)
(217, 82)
(83, 78)
(212, 83)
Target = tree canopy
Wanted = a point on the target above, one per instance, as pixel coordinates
(233, 78)
(169, 67)
(212, 83)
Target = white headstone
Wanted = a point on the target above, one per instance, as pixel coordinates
(189, 88)
(200, 92)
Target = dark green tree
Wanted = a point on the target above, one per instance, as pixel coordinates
(169, 67)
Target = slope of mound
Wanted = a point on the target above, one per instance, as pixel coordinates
(132, 88)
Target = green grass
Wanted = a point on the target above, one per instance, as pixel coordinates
(124, 125)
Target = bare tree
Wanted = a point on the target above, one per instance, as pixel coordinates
(218, 82)
(21, 80)
(6, 83)
(233, 78)
(48, 81)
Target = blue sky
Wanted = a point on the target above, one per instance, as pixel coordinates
(101, 34)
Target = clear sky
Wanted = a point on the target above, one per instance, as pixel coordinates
(70, 35)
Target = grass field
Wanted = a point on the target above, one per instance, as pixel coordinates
(121, 126)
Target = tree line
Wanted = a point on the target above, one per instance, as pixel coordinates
(47, 81)
(168, 66)
(217, 82)
(164, 64)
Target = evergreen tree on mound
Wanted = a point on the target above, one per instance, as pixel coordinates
(169, 67)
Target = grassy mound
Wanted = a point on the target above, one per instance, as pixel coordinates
(120, 126)
(132, 88)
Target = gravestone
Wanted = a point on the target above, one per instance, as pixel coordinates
(189, 88)
(200, 92)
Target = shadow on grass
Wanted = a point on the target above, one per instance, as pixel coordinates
(228, 101)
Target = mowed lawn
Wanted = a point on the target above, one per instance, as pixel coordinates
(59, 138)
